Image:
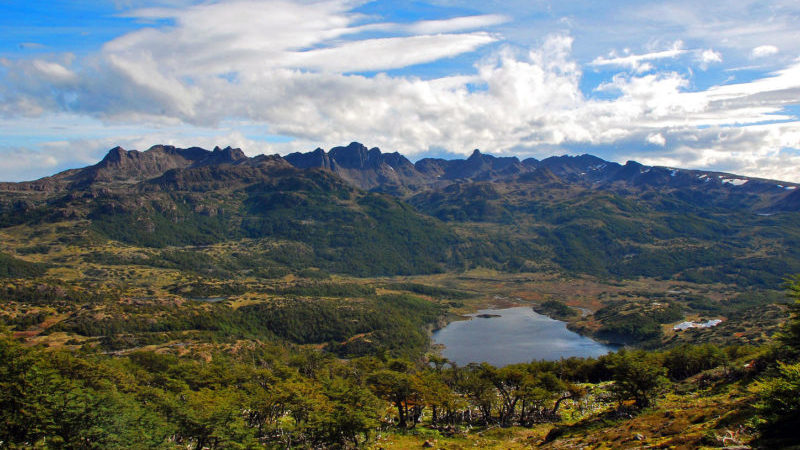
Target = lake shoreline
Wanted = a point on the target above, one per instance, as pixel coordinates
(514, 335)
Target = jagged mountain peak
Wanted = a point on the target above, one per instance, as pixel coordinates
(115, 154)
(129, 166)
(224, 155)
(367, 168)
(355, 155)
(371, 169)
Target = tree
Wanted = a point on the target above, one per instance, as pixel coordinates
(479, 389)
(638, 376)
(394, 387)
(23, 392)
(213, 419)
(349, 415)
(687, 360)
(779, 396)
(790, 336)
(507, 381)
(779, 401)
(43, 406)
(436, 395)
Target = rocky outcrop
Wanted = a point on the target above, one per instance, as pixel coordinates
(368, 169)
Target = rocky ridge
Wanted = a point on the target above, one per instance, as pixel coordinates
(373, 170)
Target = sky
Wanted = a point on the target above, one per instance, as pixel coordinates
(701, 85)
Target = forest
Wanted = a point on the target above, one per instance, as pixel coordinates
(263, 393)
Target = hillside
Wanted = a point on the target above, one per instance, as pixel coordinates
(581, 214)
(223, 215)
(187, 297)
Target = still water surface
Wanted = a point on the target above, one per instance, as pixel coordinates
(518, 335)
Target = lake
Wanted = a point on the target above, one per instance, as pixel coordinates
(517, 335)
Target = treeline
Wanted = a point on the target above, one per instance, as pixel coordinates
(612, 234)
(390, 323)
(556, 309)
(48, 292)
(11, 267)
(303, 288)
(337, 228)
(266, 395)
(631, 323)
(430, 291)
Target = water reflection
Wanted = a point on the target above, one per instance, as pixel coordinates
(514, 335)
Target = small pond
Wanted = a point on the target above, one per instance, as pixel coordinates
(513, 335)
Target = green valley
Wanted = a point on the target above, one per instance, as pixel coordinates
(204, 299)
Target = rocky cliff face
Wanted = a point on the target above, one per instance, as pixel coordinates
(368, 169)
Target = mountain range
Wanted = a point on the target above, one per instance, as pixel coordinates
(365, 212)
(373, 170)
(370, 169)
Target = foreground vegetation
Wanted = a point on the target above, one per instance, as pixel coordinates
(239, 390)
(266, 394)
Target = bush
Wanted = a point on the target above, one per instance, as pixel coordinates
(779, 402)
(637, 376)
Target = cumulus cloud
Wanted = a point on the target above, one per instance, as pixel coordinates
(707, 57)
(298, 70)
(22, 163)
(63, 145)
(764, 50)
(657, 139)
(759, 150)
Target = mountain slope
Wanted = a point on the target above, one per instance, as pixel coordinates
(390, 172)
(577, 214)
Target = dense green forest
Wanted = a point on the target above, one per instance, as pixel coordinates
(11, 267)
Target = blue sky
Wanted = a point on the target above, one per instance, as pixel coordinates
(673, 83)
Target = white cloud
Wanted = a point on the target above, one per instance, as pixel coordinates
(638, 63)
(764, 50)
(288, 68)
(737, 26)
(657, 139)
(285, 34)
(71, 150)
(387, 53)
(755, 151)
(53, 71)
(707, 57)
(456, 24)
